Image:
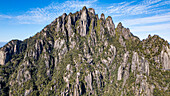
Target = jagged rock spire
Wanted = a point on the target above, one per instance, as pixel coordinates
(91, 10)
(80, 54)
(84, 22)
(8, 50)
(110, 25)
(102, 16)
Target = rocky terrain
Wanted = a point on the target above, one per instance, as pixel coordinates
(82, 54)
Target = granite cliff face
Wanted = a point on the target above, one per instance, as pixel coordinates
(82, 54)
(8, 50)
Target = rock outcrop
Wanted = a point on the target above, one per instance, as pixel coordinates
(165, 58)
(80, 54)
(8, 50)
(2, 57)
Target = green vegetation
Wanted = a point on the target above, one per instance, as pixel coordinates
(89, 68)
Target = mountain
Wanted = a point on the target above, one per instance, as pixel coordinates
(82, 54)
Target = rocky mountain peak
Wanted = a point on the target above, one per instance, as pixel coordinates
(80, 54)
(6, 52)
(84, 8)
(109, 20)
(102, 16)
(91, 10)
(119, 26)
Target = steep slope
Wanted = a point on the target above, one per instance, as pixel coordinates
(80, 54)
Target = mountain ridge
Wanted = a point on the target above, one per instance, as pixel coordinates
(81, 54)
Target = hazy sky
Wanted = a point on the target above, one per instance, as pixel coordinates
(20, 19)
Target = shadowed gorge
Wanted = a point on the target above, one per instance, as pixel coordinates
(80, 54)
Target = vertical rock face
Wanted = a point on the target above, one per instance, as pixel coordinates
(2, 57)
(89, 81)
(126, 33)
(80, 54)
(140, 65)
(69, 23)
(119, 75)
(84, 22)
(91, 10)
(102, 16)
(165, 58)
(119, 27)
(135, 61)
(8, 50)
(110, 25)
(123, 66)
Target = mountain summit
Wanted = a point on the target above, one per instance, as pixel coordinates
(82, 54)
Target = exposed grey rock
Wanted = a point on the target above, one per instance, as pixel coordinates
(126, 33)
(69, 26)
(165, 58)
(143, 66)
(27, 75)
(126, 74)
(84, 22)
(2, 57)
(102, 16)
(48, 74)
(89, 80)
(124, 65)
(140, 65)
(119, 27)
(122, 41)
(135, 61)
(99, 78)
(110, 25)
(120, 71)
(91, 10)
(8, 50)
(27, 92)
(144, 88)
(63, 24)
(113, 53)
(104, 61)
(59, 22)
(78, 57)
(146, 69)
(59, 43)
(72, 45)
